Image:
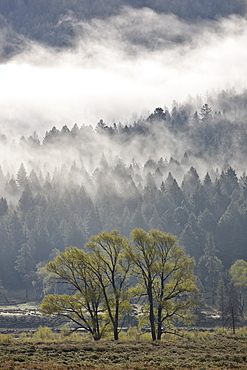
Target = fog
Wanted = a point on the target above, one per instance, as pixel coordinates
(124, 65)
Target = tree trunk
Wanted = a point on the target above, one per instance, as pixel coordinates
(96, 337)
(160, 309)
(159, 329)
(115, 333)
(151, 311)
(233, 321)
(116, 320)
(96, 334)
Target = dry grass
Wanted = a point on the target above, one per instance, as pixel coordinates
(197, 350)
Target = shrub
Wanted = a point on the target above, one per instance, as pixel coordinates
(44, 333)
(6, 338)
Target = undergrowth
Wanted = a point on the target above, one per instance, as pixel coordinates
(133, 334)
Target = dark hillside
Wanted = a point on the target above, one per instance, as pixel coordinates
(51, 22)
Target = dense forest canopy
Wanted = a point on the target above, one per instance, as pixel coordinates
(179, 167)
(180, 170)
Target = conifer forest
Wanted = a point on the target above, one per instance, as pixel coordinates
(85, 151)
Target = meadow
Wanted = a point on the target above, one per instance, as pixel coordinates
(44, 349)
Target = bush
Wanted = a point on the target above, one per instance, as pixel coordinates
(44, 333)
(6, 338)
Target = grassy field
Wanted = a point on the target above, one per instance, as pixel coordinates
(45, 350)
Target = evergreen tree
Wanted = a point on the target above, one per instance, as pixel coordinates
(229, 181)
(175, 195)
(11, 188)
(230, 234)
(206, 113)
(155, 221)
(25, 265)
(190, 182)
(190, 241)
(21, 177)
(3, 207)
(199, 200)
(181, 216)
(209, 269)
(26, 200)
(3, 292)
(207, 184)
(207, 222)
(139, 220)
(34, 181)
(219, 201)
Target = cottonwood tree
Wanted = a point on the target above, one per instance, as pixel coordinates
(110, 266)
(83, 306)
(98, 280)
(238, 272)
(166, 278)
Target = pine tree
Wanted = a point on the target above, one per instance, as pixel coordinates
(206, 113)
(190, 241)
(26, 200)
(21, 177)
(25, 265)
(210, 268)
(3, 207)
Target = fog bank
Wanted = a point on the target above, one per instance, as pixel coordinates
(129, 63)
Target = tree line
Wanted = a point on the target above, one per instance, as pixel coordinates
(92, 189)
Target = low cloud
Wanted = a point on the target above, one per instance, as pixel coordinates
(129, 63)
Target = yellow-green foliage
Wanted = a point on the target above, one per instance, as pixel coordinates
(242, 332)
(134, 334)
(101, 275)
(24, 337)
(44, 333)
(238, 272)
(65, 334)
(219, 330)
(6, 338)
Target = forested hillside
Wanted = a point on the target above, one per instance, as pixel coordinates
(52, 22)
(180, 170)
(84, 150)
